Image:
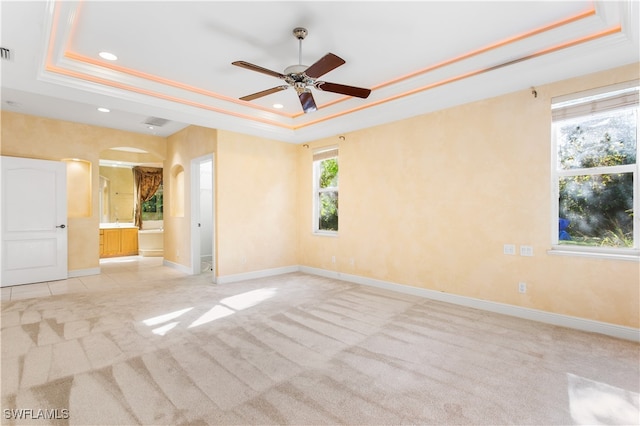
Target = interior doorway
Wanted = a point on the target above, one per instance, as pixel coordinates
(202, 216)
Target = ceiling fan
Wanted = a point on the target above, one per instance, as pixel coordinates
(303, 77)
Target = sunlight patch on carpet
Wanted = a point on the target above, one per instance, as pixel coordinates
(592, 402)
(165, 317)
(234, 304)
(248, 299)
(212, 314)
(161, 331)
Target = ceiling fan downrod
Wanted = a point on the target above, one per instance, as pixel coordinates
(300, 33)
(296, 70)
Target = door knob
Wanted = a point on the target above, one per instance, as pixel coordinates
(61, 226)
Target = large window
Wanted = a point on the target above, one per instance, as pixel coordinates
(595, 171)
(325, 178)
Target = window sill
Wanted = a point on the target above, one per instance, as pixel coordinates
(631, 255)
(325, 233)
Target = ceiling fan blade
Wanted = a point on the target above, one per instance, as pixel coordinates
(342, 89)
(323, 65)
(263, 93)
(308, 104)
(257, 68)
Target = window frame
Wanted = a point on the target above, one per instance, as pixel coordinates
(617, 253)
(320, 155)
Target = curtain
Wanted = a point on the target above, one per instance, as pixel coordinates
(146, 181)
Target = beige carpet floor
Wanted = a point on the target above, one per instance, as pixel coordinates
(146, 345)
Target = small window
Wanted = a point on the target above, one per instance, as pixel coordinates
(153, 207)
(595, 170)
(325, 183)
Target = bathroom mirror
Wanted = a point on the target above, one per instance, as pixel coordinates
(116, 187)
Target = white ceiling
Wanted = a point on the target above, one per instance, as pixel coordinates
(174, 58)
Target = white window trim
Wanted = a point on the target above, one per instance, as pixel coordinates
(602, 253)
(627, 254)
(317, 156)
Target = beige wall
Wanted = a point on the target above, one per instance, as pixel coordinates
(79, 184)
(430, 201)
(182, 147)
(34, 137)
(427, 202)
(255, 200)
(256, 216)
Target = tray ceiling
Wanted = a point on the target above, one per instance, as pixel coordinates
(174, 58)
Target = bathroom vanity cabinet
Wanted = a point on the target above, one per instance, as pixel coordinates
(118, 242)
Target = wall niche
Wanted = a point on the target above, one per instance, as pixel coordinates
(177, 191)
(78, 187)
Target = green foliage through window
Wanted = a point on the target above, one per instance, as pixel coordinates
(596, 160)
(152, 209)
(328, 195)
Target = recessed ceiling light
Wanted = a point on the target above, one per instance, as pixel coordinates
(108, 56)
(278, 106)
(150, 127)
(103, 109)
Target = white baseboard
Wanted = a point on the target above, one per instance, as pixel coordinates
(619, 331)
(177, 266)
(226, 279)
(151, 253)
(83, 272)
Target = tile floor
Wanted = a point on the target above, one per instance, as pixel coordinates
(116, 271)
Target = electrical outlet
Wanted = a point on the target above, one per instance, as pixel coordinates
(526, 251)
(510, 249)
(352, 262)
(333, 259)
(522, 287)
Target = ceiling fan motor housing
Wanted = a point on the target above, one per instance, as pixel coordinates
(295, 69)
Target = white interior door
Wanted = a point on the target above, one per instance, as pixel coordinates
(33, 222)
(202, 215)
